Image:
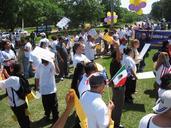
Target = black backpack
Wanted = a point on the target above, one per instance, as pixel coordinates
(24, 89)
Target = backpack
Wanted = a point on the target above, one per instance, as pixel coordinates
(24, 89)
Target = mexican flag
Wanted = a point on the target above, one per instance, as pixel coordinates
(120, 77)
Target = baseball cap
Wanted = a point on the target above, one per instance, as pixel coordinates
(164, 102)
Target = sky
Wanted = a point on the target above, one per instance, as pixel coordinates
(146, 10)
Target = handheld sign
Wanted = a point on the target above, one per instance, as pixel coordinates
(63, 22)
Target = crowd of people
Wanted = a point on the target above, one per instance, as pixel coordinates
(89, 81)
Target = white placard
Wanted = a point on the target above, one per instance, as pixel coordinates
(63, 22)
(144, 50)
(92, 32)
(145, 75)
(43, 54)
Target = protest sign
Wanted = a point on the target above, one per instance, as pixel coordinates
(144, 50)
(63, 22)
(44, 54)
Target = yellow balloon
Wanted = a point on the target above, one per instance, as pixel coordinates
(108, 13)
(140, 12)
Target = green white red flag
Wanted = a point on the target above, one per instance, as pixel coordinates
(120, 77)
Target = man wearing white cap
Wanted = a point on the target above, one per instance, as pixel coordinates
(162, 118)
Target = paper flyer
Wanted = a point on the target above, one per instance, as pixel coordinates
(145, 75)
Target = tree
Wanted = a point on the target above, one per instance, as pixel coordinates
(156, 10)
(82, 11)
(161, 9)
(8, 14)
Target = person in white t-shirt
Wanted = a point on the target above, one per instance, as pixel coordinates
(90, 48)
(44, 39)
(79, 57)
(26, 63)
(131, 69)
(84, 86)
(18, 105)
(98, 114)
(45, 82)
(121, 33)
(8, 55)
(123, 45)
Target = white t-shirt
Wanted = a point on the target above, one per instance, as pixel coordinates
(79, 59)
(8, 84)
(129, 33)
(89, 50)
(28, 47)
(8, 54)
(53, 45)
(83, 87)
(34, 60)
(144, 122)
(1, 57)
(121, 48)
(129, 64)
(95, 109)
(46, 76)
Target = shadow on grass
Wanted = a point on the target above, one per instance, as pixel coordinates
(151, 93)
(3, 96)
(40, 123)
(134, 107)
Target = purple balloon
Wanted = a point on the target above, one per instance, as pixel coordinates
(105, 20)
(131, 7)
(137, 8)
(142, 4)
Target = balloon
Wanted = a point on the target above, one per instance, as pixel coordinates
(137, 5)
(137, 8)
(108, 19)
(131, 7)
(143, 4)
(108, 13)
(140, 12)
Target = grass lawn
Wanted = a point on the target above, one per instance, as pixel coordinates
(144, 101)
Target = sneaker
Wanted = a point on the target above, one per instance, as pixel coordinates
(62, 78)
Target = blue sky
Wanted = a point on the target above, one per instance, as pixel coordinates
(146, 10)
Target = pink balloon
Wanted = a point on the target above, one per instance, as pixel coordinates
(131, 7)
(143, 4)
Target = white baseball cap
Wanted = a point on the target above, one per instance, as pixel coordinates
(163, 103)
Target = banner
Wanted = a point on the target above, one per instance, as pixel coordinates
(153, 37)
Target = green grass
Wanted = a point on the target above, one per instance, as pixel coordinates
(144, 101)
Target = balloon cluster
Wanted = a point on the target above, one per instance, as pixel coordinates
(137, 5)
(108, 19)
